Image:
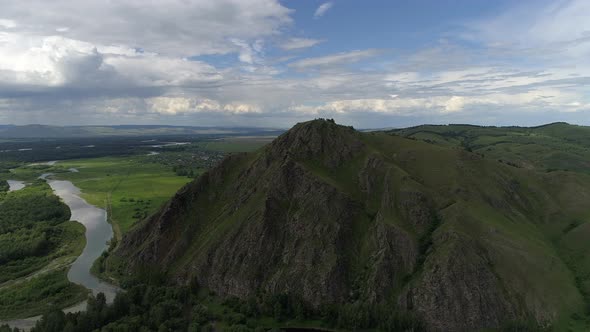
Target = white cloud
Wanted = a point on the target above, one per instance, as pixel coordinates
(249, 53)
(322, 9)
(299, 43)
(7, 24)
(557, 27)
(177, 105)
(182, 28)
(152, 70)
(335, 59)
(137, 63)
(58, 61)
(413, 106)
(454, 104)
(50, 61)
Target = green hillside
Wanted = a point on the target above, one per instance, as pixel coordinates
(337, 218)
(557, 146)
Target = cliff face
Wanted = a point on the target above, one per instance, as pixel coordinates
(333, 215)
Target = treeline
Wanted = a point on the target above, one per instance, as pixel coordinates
(31, 205)
(154, 306)
(182, 170)
(24, 242)
(350, 316)
(28, 229)
(150, 307)
(64, 148)
(38, 294)
(37, 150)
(4, 186)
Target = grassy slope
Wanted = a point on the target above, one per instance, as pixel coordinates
(521, 245)
(552, 147)
(561, 234)
(114, 182)
(236, 144)
(525, 246)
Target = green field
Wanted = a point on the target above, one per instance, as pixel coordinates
(128, 187)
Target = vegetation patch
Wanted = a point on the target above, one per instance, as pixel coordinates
(39, 294)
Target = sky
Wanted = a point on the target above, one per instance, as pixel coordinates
(271, 63)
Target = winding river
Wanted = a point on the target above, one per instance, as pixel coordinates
(98, 233)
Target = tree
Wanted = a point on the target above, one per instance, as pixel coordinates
(53, 321)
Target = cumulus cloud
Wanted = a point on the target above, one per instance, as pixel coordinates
(50, 61)
(176, 105)
(184, 28)
(133, 44)
(151, 63)
(322, 9)
(57, 61)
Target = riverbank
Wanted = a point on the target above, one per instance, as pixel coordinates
(38, 243)
(92, 221)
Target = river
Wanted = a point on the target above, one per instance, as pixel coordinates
(15, 185)
(98, 233)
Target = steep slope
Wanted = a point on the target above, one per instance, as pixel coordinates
(330, 215)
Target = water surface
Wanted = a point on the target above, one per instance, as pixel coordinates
(15, 185)
(98, 233)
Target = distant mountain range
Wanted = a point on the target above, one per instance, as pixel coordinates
(46, 131)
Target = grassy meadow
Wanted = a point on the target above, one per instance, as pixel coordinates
(128, 187)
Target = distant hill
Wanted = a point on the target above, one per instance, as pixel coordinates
(44, 131)
(555, 146)
(349, 220)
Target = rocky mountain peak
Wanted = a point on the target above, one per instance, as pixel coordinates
(318, 139)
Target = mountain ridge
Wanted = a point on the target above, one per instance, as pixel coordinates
(331, 215)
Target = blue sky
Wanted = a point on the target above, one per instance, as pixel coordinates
(275, 63)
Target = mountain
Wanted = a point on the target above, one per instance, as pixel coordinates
(45, 131)
(333, 216)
